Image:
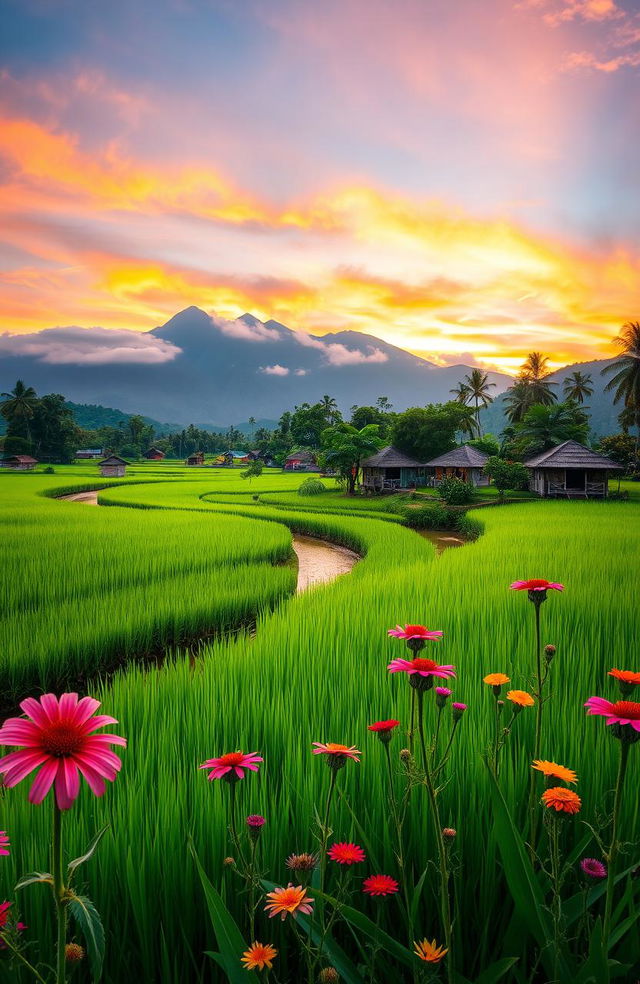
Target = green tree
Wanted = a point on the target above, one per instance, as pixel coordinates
(517, 400)
(54, 431)
(535, 374)
(577, 386)
(625, 383)
(330, 410)
(18, 408)
(544, 427)
(426, 432)
(506, 475)
(478, 386)
(460, 392)
(253, 471)
(308, 422)
(384, 404)
(487, 444)
(621, 448)
(361, 416)
(344, 447)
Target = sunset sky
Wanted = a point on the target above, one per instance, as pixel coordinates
(457, 177)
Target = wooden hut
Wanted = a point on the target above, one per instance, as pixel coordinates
(19, 462)
(113, 467)
(465, 463)
(154, 454)
(570, 471)
(195, 459)
(88, 454)
(303, 461)
(391, 470)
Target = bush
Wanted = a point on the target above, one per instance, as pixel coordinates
(431, 518)
(48, 470)
(455, 492)
(469, 527)
(311, 486)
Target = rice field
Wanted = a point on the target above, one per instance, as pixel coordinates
(200, 548)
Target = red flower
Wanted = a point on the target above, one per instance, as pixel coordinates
(346, 853)
(626, 676)
(624, 715)
(232, 765)
(421, 667)
(380, 885)
(536, 584)
(383, 726)
(414, 632)
(56, 738)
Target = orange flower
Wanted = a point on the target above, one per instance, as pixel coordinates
(292, 899)
(429, 952)
(496, 679)
(627, 676)
(259, 955)
(561, 800)
(554, 771)
(520, 698)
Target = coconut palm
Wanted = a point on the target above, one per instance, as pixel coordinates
(545, 427)
(18, 407)
(478, 386)
(626, 381)
(577, 386)
(460, 392)
(534, 373)
(330, 409)
(517, 400)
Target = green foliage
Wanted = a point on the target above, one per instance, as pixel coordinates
(621, 448)
(426, 432)
(455, 492)
(253, 471)
(488, 444)
(312, 486)
(344, 447)
(434, 517)
(545, 426)
(506, 474)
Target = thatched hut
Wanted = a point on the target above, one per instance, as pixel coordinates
(19, 462)
(570, 471)
(113, 467)
(390, 470)
(195, 460)
(465, 463)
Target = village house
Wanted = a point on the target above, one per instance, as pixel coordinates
(19, 462)
(303, 461)
(113, 467)
(195, 459)
(390, 470)
(570, 471)
(154, 454)
(465, 463)
(88, 454)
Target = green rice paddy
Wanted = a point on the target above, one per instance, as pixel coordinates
(87, 588)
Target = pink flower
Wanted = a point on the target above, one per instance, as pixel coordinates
(232, 765)
(337, 754)
(593, 868)
(4, 920)
(345, 853)
(255, 821)
(56, 738)
(4, 844)
(458, 710)
(414, 632)
(536, 584)
(623, 714)
(423, 667)
(443, 692)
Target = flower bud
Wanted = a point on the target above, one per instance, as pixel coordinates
(229, 862)
(441, 696)
(405, 755)
(500, 705)
(328, 975)
(255, 823)
(73, 953)
(549, 653)
(458, 710)
(449, 833)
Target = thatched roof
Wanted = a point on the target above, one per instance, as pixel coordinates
(390, 457)
(20, 459)
(303, 455)
(464, 457)
(570, 454)
(113, 459)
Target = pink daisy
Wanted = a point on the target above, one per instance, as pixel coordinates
(4, 922)
(232, 765)
(414, 632)
(423, 667)
(536, 584)
(4, 844)
(623, 713)
(593, 868)
(338, 754)
(55, 737)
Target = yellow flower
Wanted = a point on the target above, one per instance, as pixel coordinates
(429, 952)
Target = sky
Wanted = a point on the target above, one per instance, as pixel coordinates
(457, 177)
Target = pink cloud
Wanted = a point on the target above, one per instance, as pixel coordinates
(90, 347)
(276, 370)
(338, 354)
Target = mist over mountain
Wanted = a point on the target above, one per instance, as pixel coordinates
(198, 368)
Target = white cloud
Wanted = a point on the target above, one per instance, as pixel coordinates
(274, 370)
(338, 354)
(90, 346)
(255, 331)
(300, 372)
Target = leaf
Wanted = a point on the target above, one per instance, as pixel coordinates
(497, 970)
(86, 915)
(417, 894)
(365, 925)
(33, 878)
(573, 907)
(596, 968)
(71, 867)
(228, 936)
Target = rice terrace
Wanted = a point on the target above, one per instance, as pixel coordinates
(319, 492)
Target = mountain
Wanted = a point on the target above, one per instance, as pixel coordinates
(602, 411)
(91, 417)
(206, 369)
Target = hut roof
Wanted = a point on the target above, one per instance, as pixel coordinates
(301, 456)
(21, 459)
(464, 457)
(570, 454)
(113, 459)
(390, 457)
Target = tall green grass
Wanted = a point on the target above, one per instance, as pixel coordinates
(316, 670)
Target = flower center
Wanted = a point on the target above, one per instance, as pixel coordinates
(537, 582)
(232, 758)
(627, 709)
(424, 664)
(61, 740)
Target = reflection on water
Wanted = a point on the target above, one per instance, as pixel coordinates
(442, 541)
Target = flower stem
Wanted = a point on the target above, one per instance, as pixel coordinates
(325, 828)
(16, 953)
(556, 901)
(533, 814)
(614, 846)
(400, 855)
(58, 892)
(435, 740)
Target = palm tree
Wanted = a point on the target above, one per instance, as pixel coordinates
(577, 386)
(535, 373)
(469, 422)
(545, 427)
(383, 404)
(478, 386)
(18, 406)
(460, 392)
(626, 381)
(517, 400)
(330, 409)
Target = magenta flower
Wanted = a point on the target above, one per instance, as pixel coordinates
(55, 737)
(4, 844)
(536, 584)
(5, 925)
(593, 868)
(443, 692)
(414, 632)
(624, 715)
(255, 821)
(421, 667)
(232, 765)
(458, 710)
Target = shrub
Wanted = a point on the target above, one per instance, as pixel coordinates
(48, 470)
(456, 492)
(469, 527)
(431, 518)
(507, 474)
(311, 486)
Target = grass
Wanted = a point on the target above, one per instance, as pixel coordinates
(316, 671)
